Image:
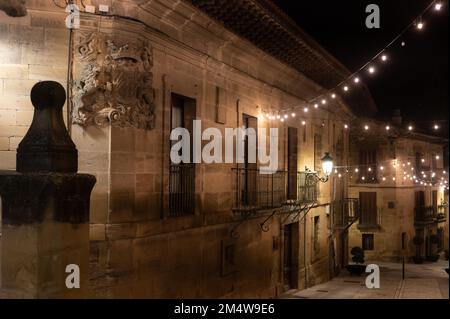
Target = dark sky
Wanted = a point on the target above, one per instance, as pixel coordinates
(416, 78)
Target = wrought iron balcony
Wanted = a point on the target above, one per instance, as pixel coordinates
(424, 215)
(345, 212)
(182, 190)
(307, 188)
(255, 191)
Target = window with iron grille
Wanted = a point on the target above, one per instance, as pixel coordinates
(367, 242)
(182, 175)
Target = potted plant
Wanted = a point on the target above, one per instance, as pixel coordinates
(358, 267)
(434, 240)
(418, 242)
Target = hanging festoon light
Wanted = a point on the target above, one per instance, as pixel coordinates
(305, 109)
(388, 127)
(410, 128)
(371, 70)
(356, 80)
(420, 24)
(345, 88)
(316, 106)
(384, 58)
(438, 6)
(333, 96)
(293, 114)
(366, 127)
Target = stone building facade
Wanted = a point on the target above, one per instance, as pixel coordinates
(132, 74)
(397, 175)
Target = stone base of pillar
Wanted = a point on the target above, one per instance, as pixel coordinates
(45, 228)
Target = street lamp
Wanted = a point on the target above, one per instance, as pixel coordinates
(327, 168)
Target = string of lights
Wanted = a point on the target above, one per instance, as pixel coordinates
(354, 79)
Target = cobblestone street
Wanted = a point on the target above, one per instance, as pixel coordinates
(426, 281)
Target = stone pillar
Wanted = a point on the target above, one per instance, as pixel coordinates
(45, 207)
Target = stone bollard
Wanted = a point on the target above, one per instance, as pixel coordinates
(45, 208)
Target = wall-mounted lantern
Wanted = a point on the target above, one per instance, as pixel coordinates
(327, 168)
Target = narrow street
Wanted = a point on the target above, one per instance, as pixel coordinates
(425, 281)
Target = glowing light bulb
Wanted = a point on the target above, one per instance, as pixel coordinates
(384, 58)
(436, 127)
(438, 6)
(388, 128)
(363, 178)
(369, 169)
(381, 167)
(384, 178)
(305, 110)
(393, 178)
(286, 116)
(282, 120)
(293, 114)
(403, 43)
(438, 157)
(303, 123)
(340, 175)
(366, 127)
(278, 117)
(422, 160)
(333, 96)
(420, 25)
(345, 88)
(316, 106)
(410, 128)
(324, 101)
(345, 126)
(371, 70)
(356, 80)
(356, 170)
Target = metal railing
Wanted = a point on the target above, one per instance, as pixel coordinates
(307, 188)
(256, 191)
(425, 214)
(182, 190)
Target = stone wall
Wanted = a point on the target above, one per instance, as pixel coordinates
(395, 199)
(137, 250)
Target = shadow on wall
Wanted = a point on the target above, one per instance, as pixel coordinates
(13, 8)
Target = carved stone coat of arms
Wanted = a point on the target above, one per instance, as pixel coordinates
(113, 83)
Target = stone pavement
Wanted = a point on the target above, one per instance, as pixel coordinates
(426, 281)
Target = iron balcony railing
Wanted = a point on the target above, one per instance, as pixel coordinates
(182, 190)
(424, 214)
(307, 188)
(257, 191)
(345, 212)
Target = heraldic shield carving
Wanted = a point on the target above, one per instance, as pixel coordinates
(113, 82)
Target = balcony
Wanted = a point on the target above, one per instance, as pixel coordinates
(255, 191)
(307, 189)
(424, 215)
(182, 190)
(345, 212)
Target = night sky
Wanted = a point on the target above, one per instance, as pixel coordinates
(416, 78)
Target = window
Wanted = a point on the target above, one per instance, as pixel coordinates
(318, 152)
(182, 176)
(316, 235)
(368, 166)
(250, 172)
(368, 202)
(433, 161)
(292, 162)
(367, 242)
